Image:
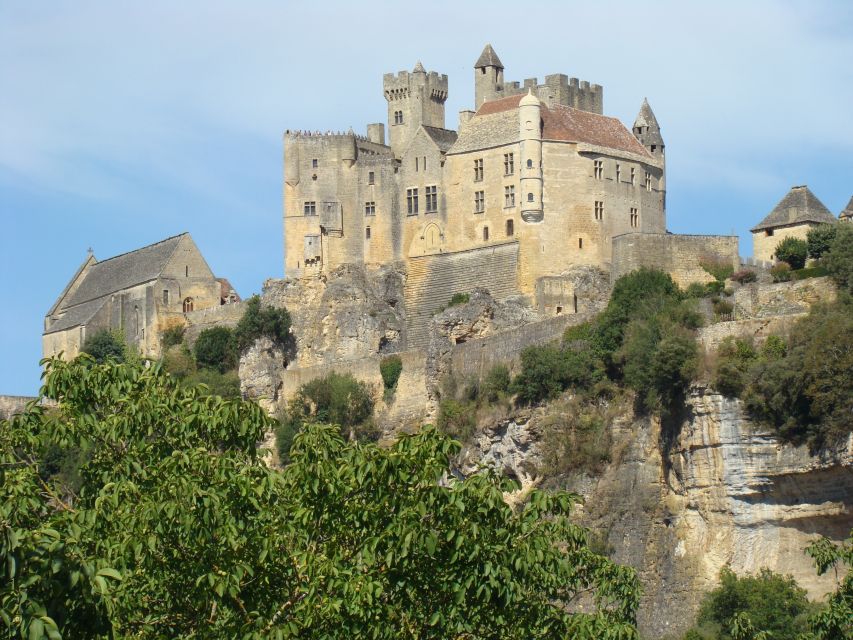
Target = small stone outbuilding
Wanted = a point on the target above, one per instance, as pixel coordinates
(796, 213)
(139, 294)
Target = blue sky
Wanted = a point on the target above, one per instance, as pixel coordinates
(122, 123)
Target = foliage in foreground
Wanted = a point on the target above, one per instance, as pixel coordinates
(179, 530)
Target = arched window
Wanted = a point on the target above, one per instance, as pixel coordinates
(188, 305)
(510, 227)
(530, 197)
(529, 164)
(485, 234)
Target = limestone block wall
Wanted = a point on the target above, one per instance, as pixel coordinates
(757, 300)
(12, 405)
(432, 281)
(755, 329)
(678, 255)
(764, 245)
(225, 315)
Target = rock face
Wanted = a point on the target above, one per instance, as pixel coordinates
(722, 491)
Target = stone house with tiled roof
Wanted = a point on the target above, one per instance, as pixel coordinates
(792, 217)
(535, 181)
(139, 294)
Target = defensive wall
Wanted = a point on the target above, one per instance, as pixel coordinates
(679, 255)
(12, 405)
(225, 315)
(432, 280)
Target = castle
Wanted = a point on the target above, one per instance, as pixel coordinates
(536, 181)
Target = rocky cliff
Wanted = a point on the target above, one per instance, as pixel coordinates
(714, 490)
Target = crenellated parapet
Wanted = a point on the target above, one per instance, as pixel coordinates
(414, 98)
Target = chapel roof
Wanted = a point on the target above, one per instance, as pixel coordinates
(496, 123)
(799, 206)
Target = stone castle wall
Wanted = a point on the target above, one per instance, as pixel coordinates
(678, 255)
(764, 246)
(226, 315)
(12, 405)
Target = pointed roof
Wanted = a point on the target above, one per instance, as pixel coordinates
(799, 206)
(419, 68)
(443, 138)
(646, 118)
(847, 213)
(488, 59)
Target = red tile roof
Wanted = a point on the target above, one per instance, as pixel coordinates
(573, 125)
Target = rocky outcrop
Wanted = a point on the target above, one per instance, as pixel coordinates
(680, 501)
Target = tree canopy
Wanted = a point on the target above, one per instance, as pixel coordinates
(178, 529)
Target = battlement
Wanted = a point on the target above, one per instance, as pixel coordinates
(325, 135)
(558, 88)
(399, 86)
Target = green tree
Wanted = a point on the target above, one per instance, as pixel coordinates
(793, 251)
(215, 348)
(179, 530)
(105, 345)
(262, 321)
(839, 259)
(835, 621)
(819, 239)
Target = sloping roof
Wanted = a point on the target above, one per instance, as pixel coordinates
(75, 316)
(488, 59)
(646, 118)
(125, 270)
(799, 206)
(419, 68)
(496, 123)
(848, 210)
(444, 138)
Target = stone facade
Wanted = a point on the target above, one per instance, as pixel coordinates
(537, 166)
(139, 294)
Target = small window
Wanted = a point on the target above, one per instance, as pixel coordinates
(485, 234)
(416, 163)
(654, 146)
(187, 271)
(479, 201)
(648, 181)
(398, 117)
(530, 197)
(370, 208)
(165, 296)
(633, 176)
(635, 217)
(618, 173)
(509, 196)
(580, 243)
(371, 177)
(314, 163)
(412, 201)
(529, 164)
(599, 210)
(310, 208)
(424, 163)
(188, 305)
(559, 310)
(367, 233)
(431, 199)
(598, 169)
(510, 228)
(509, 164)
(478, 170)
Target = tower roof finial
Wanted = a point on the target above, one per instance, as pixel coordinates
(488, 59)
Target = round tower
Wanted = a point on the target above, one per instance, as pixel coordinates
(530, 134)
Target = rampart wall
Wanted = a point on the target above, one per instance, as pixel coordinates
(226, 315)
(679, 255)
(12, 405)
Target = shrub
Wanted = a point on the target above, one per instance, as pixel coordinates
(696, 290)
(259, 321)
(458, 298)
(390, 367)
(215, 348)
(819, 239)
(717, 267)
(771, 602)
(744, 276)
(773, 348)
(734, 357)
(179, 362)
(497, 382)
(105, 345)
(337, 399)
(810, 272)
(547, 370)
(456, 419)
(723, 307)
(575, 437)
(839, 259)
(224, 385)
(715, 287)
(781, 272)
(172, 336)
(285, 432)
(793, 251)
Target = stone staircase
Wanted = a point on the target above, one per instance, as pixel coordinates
(432, 281)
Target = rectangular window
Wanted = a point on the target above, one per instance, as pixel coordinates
(370, 208)
(598, 169)
(371, 177)
(314, 163)
(618, 173)
(648, 181)
(412, 201)
(479, 201)
(398, 117)
(633, 176)
(599, 210)
(431, 199)
(509, 164)
(478, 170)
(165, 296)
(635, 217)
(367, 233)
(509, 196)
(416, 163)
(424, 163)
(580, 243)
(310, 208)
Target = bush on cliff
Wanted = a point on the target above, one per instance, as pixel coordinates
(390, 367)
(260, 321)
(180, 530)
(215, 348)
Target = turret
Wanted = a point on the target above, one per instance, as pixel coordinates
(647, 131)
(414, 98)
(488, 77)
(530, 134)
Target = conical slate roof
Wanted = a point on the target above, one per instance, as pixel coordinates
(847, 214)
(488, 59)
(648, 124)
(799, 206)
(419, 68)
